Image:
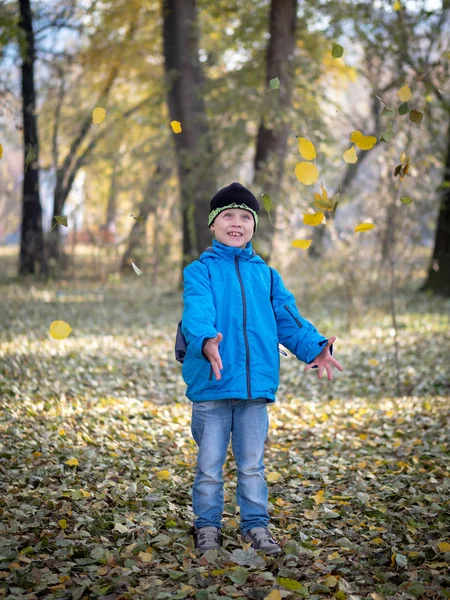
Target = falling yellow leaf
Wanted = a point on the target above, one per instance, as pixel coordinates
(350, 155)
(364, 227)
(176, 126)
(306, 148)
(274, 595)
(373, 362)
(311, 515)
(303, 244)
(162, 475)
(307, 173)
(1, 152)
(313, 219)
(62, 523)
(59, 330)
(72, 462)
(273, 476)
(404, 94)
(98, 115)
(319, 497)
(444, 546)
(364, 142)
(397, 5)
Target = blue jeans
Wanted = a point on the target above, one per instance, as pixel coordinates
(212, 424)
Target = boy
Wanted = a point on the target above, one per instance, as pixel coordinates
(236, 310)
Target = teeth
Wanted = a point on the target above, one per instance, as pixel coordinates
(235, 234)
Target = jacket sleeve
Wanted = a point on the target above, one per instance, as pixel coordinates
(297, 334)
(199, 313)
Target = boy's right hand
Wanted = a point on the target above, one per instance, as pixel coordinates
(211, 351)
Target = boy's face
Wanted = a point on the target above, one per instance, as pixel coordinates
(233, 220)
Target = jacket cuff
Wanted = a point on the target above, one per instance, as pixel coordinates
(320, 345)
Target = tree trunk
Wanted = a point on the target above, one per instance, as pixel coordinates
(195, 160)
(136, 248)
(438, 279)
(271, 143)
(32, 258)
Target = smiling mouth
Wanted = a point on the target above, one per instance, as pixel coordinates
(236, 234)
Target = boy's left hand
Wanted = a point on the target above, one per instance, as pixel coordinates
(324, 360)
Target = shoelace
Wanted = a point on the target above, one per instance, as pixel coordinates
(207, 536)
(262, 536)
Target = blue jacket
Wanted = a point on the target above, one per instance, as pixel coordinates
(228, 290)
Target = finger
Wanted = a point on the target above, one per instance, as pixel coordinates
(310, 366)
(335, 363)
(331, 341)
(216, 371)
(329, 373)
(320, 371)
(219, 337)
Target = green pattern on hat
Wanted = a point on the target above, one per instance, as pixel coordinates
(213, 214)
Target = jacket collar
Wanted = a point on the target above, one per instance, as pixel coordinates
(230, 252)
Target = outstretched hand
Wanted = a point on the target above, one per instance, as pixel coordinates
(324, 360)
(211, 351)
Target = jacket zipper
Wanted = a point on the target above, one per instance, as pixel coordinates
(293, 316)
(210, 373)
(247, 348)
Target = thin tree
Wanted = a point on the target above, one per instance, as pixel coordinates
(32, 258)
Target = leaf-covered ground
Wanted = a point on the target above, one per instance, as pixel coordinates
(97, 459)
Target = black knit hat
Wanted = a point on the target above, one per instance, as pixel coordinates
(234, 195)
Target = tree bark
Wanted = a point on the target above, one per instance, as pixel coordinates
(438, 279)
(32, 257)
(271, 143)
(195, 159)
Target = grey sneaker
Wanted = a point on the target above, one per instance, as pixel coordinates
(261, 539)
(207, 538)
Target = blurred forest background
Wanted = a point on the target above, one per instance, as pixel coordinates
(119, 119)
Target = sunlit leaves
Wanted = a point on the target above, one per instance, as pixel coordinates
(136, 269)
(397, 5)
(98, 115)
(63, 523)
(444, 546)
(302, 244)
(307, 173)
(313, 219)
(337, 50)
(416, 116)
(176, 126)
(350, 155)
(364, 227)
(1, 152)
(306, 148)
(72, 462)
(404, 94)
(273, 476)
(30, 157)
(59, 330)
(364, 142)
(274, 83)
(163, 475)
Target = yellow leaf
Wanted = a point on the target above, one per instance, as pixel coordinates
(274, 595)
(37, 454)
(306, 148)
(85, 493)
(373, 362)
(303, 244)
(333, 556)
(176, 126)
(364, 142)
(280, 502)
(1, 152)
(59, 330)
(319, 498)
(311, 515)
(72, 462)
(362, 464)
(162, 475)
(273, 476)
(62, 523)
(443, 546)
(62, 432)
(397, 5)
(377, 541)
(350, 155)
(331, 581)
(404, 94)
(98, 115)
(364, 227)
(307, 173)
(433, 565)
(314, 220)
(120, 528)
(145, 557)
